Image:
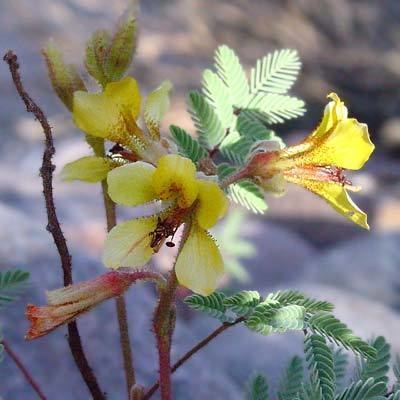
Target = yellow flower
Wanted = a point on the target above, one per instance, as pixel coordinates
(113, 113)
(198, 202)
(110, 114)
(318, 163)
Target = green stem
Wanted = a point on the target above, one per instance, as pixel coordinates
(120, 304)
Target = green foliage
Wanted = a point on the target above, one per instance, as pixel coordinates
(336, 331)
(257, 388)
(363, 390)
(377, 367)
(188, 146)
(231, 115)
(275, 108)
(320, 364)
(209, 128)
(276, 72)
(12, 283)
(396, 371)
(245, 192)
(237, 151)
(270, 316)
(253, 129)
(244, 302)
(234, 247)
(311, 305)
(340, 363)
(249, 195)
(212, 305)
(218, 96)
(292, 379)
(232, 74)
(395, 395)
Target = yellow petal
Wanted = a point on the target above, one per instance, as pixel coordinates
(131, 184)
(347, 145)
(128, 244)
(106, 114)
(212, 204)
(175, 179)
(334, 112)
(337, 196)
(156, 105)
(87, 169)
(199, 265)
(125, 93)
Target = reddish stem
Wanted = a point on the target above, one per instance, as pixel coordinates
(23, 369)
(163, 325)
(193, 351)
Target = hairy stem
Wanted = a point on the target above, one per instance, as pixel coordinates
(53, 225)
(237, 176)
(193, 351)
(120, 303)
(24, 370)
(163, 326)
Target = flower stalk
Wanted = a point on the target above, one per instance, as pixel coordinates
(164, 324)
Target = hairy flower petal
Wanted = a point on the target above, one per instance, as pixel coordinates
(199, 265)
(334, 112)
(212, 204)
(88, 169)
(155, 107)
(106, 114)
(336, 195)
(346, 145)
(131, 184)
(175, 179)
(128, 243)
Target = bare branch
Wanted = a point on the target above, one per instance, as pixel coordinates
(53, 225)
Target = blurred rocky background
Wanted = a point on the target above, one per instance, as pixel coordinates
(351, 47)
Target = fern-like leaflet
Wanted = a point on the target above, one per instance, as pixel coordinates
(12, 283)
(257, 388)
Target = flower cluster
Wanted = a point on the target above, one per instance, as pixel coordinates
(152, 173)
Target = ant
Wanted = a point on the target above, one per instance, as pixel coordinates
(163, 230)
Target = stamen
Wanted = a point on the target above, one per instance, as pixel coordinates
(321, 173)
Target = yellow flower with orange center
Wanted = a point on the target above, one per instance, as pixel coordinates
(187, 199)
(318, 163)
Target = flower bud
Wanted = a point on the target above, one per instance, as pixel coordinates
(66, 304)
(64, 77)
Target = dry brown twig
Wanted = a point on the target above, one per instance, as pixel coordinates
(53, 225)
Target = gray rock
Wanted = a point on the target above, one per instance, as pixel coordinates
(369, 266)
(280, 253)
